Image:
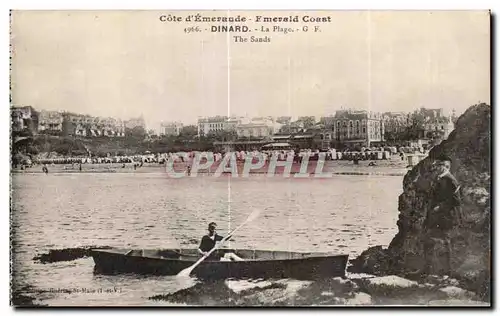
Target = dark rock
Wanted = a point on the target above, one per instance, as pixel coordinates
(394, 290)
(335, 291)
(330, 291)
(360, 298)
(66, 254)
(22, 296)
(454, 292)
(385, 290)
(207, 294)
(375, 260)
(469, 148)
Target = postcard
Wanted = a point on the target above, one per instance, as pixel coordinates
(250, 158)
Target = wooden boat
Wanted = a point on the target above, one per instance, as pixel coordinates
(255, 264)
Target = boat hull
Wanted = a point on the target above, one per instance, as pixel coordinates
(297, 265)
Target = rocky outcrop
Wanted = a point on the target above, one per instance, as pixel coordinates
(469, 147)
(66, 254)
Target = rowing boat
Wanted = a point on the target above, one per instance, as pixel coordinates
(255, 264)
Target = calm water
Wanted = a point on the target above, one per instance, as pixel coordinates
(344, 214)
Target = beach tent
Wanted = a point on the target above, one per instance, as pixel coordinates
(277, 145)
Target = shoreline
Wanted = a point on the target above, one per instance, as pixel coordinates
(346, 173)
(354, 288)
(334, 167)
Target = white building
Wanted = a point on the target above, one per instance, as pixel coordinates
(50, 121)
(442, 127)
(135, 122)
(171, 128)
(216, 124)
(91, 126)
(257, 128)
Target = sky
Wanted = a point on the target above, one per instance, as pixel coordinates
(128, 63)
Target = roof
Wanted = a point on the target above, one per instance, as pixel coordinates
(22, 138)
(277, 145)
(304, 136)
(281, 136)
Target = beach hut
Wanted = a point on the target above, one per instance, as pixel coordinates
(334, 154)
(412, 160)
(278, 146)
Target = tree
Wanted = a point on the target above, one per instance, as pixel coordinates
(78, 152)
(101, 154)
(22, 133)
(390, 136)
(189, 131)
(62, 149)
(416, 126)
(222, 136)
(32, 150)
(308, 121)
(137, 132)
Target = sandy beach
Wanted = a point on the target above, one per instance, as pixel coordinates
(339, 167)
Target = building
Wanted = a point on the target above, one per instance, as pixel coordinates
(396, 122)
(135, 122)
(327, 120)
(50, 122)
(356, 128)
(454, 117)
(211, 125)
(217, 124)
(76, 124)
(257, 128)
(439, 128)
(171, 128)
(430, 114)
(284, 120)
(232, 123)
(152, 133)
(293, 128)
(91, 126)
(307, 121)
(107, 126)
(24, 118)
(433, 123)
(17, 121)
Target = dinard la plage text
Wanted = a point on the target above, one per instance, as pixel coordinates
(261, 26)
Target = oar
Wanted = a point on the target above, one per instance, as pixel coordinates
(186, 272)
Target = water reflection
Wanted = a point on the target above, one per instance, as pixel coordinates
(345, 214)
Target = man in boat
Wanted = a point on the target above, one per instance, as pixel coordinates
(209, 241)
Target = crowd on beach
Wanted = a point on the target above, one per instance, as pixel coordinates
(373, 153)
